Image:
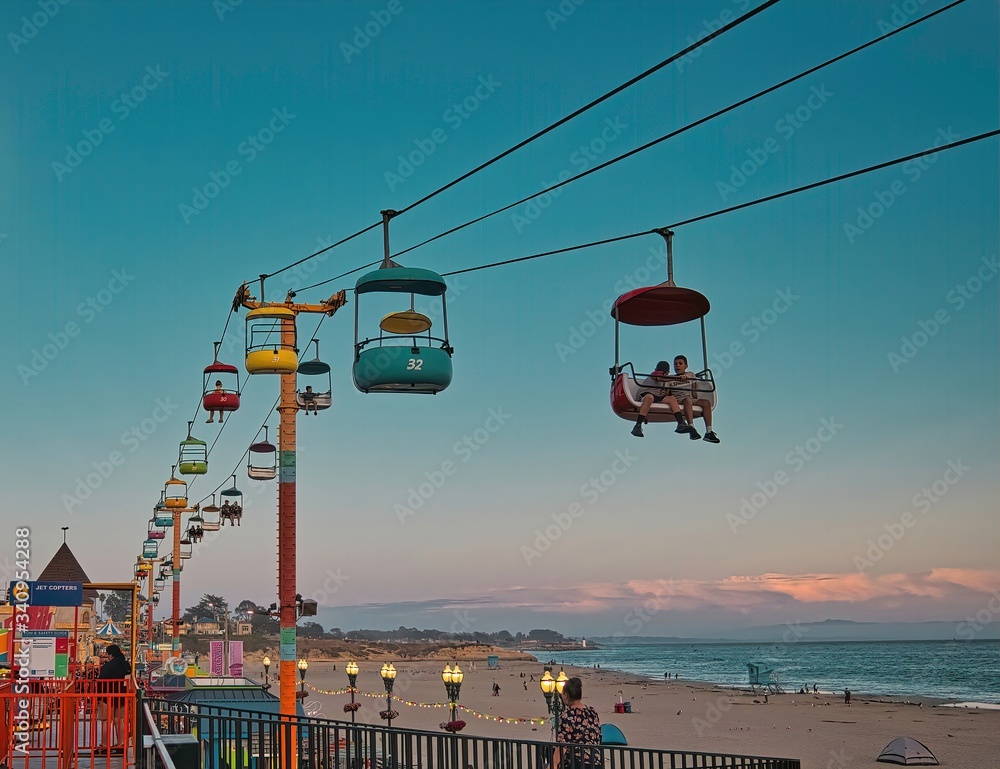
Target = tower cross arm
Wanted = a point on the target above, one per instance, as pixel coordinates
(328, 306)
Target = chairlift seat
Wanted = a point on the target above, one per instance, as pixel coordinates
(626, 396)
(399, 369)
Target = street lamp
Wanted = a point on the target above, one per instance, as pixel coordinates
(352, 682)
(552, 689)
(267, 670)
(303, 666)
(388, 674)
(452, 678)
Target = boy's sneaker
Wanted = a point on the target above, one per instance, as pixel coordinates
(711, 437)
(693, 433)
(637, 431)
(683, 427)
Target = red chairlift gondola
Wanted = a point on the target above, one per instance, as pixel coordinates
(219, 392)
(262, 460)
(665, 304)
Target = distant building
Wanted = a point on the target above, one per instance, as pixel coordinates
(207, 626)
(244, 628)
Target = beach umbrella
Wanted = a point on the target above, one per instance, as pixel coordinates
(612, 735)
(907, 751)
(109, 630)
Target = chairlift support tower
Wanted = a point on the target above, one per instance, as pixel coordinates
(287, 411)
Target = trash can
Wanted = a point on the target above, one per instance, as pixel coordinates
(627, 706)
(619, 707)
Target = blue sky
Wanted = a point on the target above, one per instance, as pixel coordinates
(122, 114)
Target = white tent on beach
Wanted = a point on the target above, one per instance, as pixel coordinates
(109, 630)
(908, 752)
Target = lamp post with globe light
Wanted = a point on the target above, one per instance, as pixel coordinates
(303, 666)
(267, 670)
(352, 682)
(388, 674)
(452, 677)
(552, 689)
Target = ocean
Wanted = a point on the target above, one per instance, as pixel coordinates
(964, 671)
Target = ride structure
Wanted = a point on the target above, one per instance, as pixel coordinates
(665, 304)
(271, 348)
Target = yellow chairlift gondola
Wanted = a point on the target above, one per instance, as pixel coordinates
(271, 346)
(262, 460)
(175, 492)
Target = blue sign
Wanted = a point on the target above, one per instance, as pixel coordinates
(47, 593)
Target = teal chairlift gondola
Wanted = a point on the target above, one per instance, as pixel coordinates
(150, 548)
(306, 400)
(162, 516)
(404, 357)
(232, 505)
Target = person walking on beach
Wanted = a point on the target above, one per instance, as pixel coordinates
(496, 689)
(579, 725)
(847, 696)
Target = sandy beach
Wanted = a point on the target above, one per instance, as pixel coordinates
(820, 730)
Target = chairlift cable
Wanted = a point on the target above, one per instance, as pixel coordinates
(729, 209)
(538, 134)
(682, 129)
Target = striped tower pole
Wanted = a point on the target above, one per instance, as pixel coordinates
(287, 410)
(175, 587)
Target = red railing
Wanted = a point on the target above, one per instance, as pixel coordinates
(63, 724)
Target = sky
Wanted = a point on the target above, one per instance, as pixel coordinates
(156, 155)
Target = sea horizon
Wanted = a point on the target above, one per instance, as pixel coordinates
(946, 670)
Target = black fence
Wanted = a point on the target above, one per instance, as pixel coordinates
(232, 738)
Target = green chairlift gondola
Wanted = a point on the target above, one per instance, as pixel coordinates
(313, 398)
(193, 458)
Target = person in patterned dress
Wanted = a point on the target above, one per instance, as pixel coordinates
(579, 725)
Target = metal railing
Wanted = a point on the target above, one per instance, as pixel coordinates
(232, 737)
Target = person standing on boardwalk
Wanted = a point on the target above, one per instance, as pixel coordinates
(579, 725)
(111, 683)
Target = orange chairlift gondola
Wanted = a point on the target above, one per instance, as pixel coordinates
(210, 515)
(262, 460)
(175, 492)
(232, 506)
(665, 304)
(192, 457)
(312, 399)
(221, 387)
